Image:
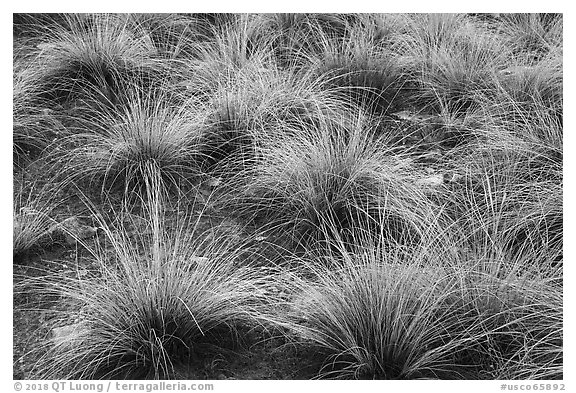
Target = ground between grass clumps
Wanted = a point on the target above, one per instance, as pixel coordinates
(288, 196)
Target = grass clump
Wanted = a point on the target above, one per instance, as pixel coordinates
(370, 321)
(161, 300)
(451, 60)
(248, 105)
(518, 218)
(362, 70)
(230, 50)
(528, 93)
(125, 148)
(334, 176)
(296, 37)
(512, 195)
(93, 60)
(34, 126)
(386, 315)
(533, 36)
(176, 36)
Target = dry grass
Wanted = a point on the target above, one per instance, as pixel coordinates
(335, 176)
(33, 217)
(122, 148)
(376, 313)
(430, 251)
(160, 300)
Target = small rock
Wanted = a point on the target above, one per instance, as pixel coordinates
(431, 181)
(403, 115)
(516, 70)
(214, 182)
(453, 178)
(74, 230)
(199, 260)
(431, 156)
(187, 85)
(45, 46)
(65, 334)
(413, 117)
(27, 210)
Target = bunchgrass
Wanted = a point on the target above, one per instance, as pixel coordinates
(34, 125)
(451, 59)
(253, 103)
(335, 175)
(514, 180)
(513, 197)
(175, 36)
(295, 38)
(231, 49)
(361, 68)
(92, 60)
(121, 147)
(159, 299)
(425, 314)
(532, 36)
(527, 93)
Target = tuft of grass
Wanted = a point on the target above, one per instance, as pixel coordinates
(296, 37)
(251, 102)
(451, 60)
(159, 300)
(122, 148)
(380, 314)
(371, 321)
(231, 50)
(33, 125)
(31, 26)
(335, 176)
(94, 59)
(176, 36)
(519, 217)
(527, 93)
(533, 36)
(512, 196)
(362, 69)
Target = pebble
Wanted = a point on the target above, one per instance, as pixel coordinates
(214, 182)
(432, 181)
(199, 260)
